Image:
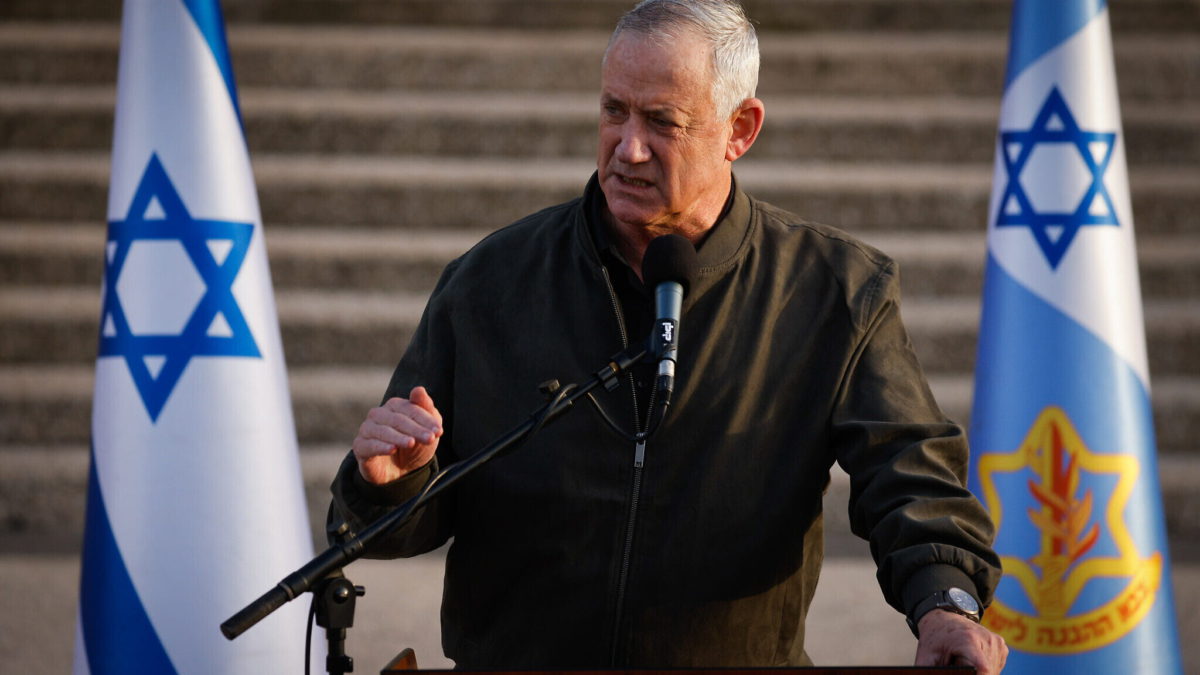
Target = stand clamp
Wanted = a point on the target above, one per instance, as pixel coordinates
(335, 597)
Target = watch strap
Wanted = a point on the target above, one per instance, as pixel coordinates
(939, 600)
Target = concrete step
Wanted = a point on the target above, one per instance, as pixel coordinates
(66, 254)
(524, 125)
(908, 15)
(933, 264)
(43, 488)
(1175, 401)
(319, 327)
(940, 264)
(43, 492)
(471, 194)
(945, 334)
(355, 327)
(1158, 67)
(50, 402)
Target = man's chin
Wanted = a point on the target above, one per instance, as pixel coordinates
(641, 219)
(630, 210)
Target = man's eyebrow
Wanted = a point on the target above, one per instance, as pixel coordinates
(662, 110)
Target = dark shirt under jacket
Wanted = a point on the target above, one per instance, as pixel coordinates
(636, 301)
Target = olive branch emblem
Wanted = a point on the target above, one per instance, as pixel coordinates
(1063, 520)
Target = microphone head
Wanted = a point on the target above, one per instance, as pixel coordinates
(670, 257)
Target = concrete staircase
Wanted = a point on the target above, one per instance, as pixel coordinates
(387, 137)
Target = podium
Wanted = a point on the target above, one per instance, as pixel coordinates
(406, 662)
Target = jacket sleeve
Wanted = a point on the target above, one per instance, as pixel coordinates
(429, 362)
(907, 464)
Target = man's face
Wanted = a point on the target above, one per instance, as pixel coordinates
(662, 156)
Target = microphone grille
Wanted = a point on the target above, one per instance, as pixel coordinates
(670, 257)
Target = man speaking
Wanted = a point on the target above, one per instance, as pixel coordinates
(694, 539)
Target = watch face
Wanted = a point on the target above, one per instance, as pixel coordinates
(963, 600)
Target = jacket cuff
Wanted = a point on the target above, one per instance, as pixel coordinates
(931, 579)
(396, 492)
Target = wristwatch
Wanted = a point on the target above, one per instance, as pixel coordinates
(952, 599)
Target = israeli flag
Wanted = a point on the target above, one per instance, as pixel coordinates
(1062, 439)
(195, 502)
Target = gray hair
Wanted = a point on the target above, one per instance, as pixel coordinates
(721, 23)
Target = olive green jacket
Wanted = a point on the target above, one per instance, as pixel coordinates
(566, 555)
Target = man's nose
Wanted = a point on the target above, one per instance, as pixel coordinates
(633, 148)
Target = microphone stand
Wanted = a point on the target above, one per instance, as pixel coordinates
(352, 547)
(334, 601)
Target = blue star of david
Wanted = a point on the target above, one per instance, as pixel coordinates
(174, 351)
(1016, 209)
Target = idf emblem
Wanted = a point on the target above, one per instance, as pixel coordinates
(1081, 582)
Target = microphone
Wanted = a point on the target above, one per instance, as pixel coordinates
(670, 266)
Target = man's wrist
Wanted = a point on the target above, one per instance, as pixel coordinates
(396, 491)
(953, 600)
(929, 579)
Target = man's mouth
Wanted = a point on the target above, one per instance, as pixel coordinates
(634, 182)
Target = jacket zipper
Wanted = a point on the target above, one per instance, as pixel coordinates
(639, 459)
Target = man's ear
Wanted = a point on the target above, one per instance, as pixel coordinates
(747, 122)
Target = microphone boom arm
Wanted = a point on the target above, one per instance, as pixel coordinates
(339, 555)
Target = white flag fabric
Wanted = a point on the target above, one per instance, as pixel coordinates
(195, 498)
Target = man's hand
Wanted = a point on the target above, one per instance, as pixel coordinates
(398, 437)
(948, 639)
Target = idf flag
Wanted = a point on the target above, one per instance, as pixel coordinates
(195, 503)
(1063, 450)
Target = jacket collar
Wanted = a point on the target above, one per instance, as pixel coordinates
(719, 250)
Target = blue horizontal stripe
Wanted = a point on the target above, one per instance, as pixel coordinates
(1041, 25)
